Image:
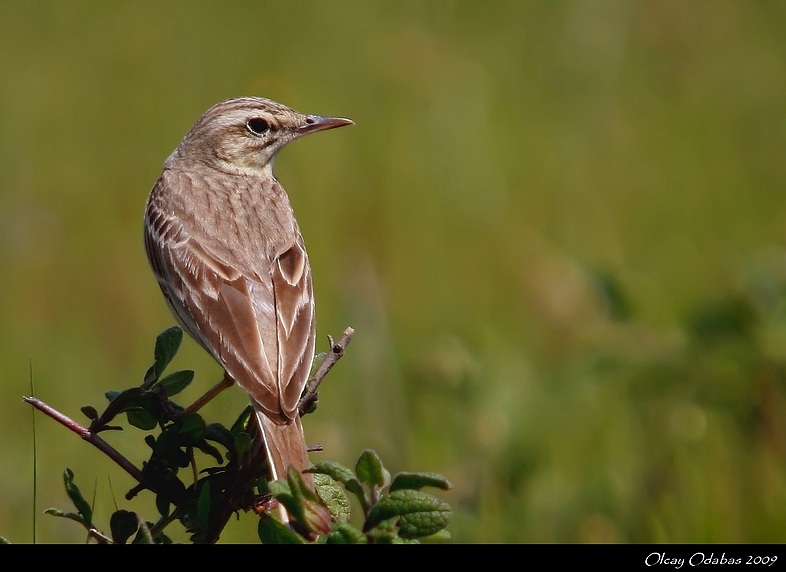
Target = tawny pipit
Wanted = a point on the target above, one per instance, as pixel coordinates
(226, 249)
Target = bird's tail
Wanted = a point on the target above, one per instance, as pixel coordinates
(285, 446)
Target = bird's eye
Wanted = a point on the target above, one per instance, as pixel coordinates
(258, 126)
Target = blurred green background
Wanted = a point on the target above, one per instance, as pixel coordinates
(558, 228)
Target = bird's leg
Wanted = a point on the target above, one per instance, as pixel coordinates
(210, 394)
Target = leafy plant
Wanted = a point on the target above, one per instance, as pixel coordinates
(393, 510)
(203, 500)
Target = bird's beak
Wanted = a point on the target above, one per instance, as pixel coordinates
(316, 123)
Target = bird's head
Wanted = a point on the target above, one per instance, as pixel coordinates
(244, 134)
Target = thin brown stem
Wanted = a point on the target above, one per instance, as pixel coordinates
(97, 442)
(88, 436)
(100, 536)
(210, 394)
(336, 352)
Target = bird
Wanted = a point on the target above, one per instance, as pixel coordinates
(223, 242)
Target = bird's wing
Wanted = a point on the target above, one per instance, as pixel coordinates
(295, 321)
(257, 323)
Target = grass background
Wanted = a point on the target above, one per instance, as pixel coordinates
(557, 227)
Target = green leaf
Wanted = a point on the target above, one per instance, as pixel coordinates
(141, 419)
(386, 532)
(279, 489)
(344, 476)
(176, 382)
(309, 514)
(273, 531)
(336, 470)
(203, 507)
(192, 426)
(333, 495)
(134, 399)
(163, 505)
(167, 344)
(369, 470)
(242, 444)
(405, 480)
(420, 514)
(308, 509)
(145, 536)
(122, 401)
(344, 533)
(82, 506)
(123, 524)
(441, 536)
(69, 515)
(241, 422)
(169, 449)
(90, 412)
(220, 434)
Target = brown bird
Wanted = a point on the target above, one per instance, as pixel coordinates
(223, 242)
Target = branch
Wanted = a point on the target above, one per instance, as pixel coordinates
(94, 440)
(225, 383)
(310, 394)
(100, 536)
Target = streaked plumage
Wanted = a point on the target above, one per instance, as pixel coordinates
(226, 249)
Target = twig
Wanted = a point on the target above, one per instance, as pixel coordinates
(336, 352)
(93, 439)
(87, 435)
(225, 383)
(100, 536)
